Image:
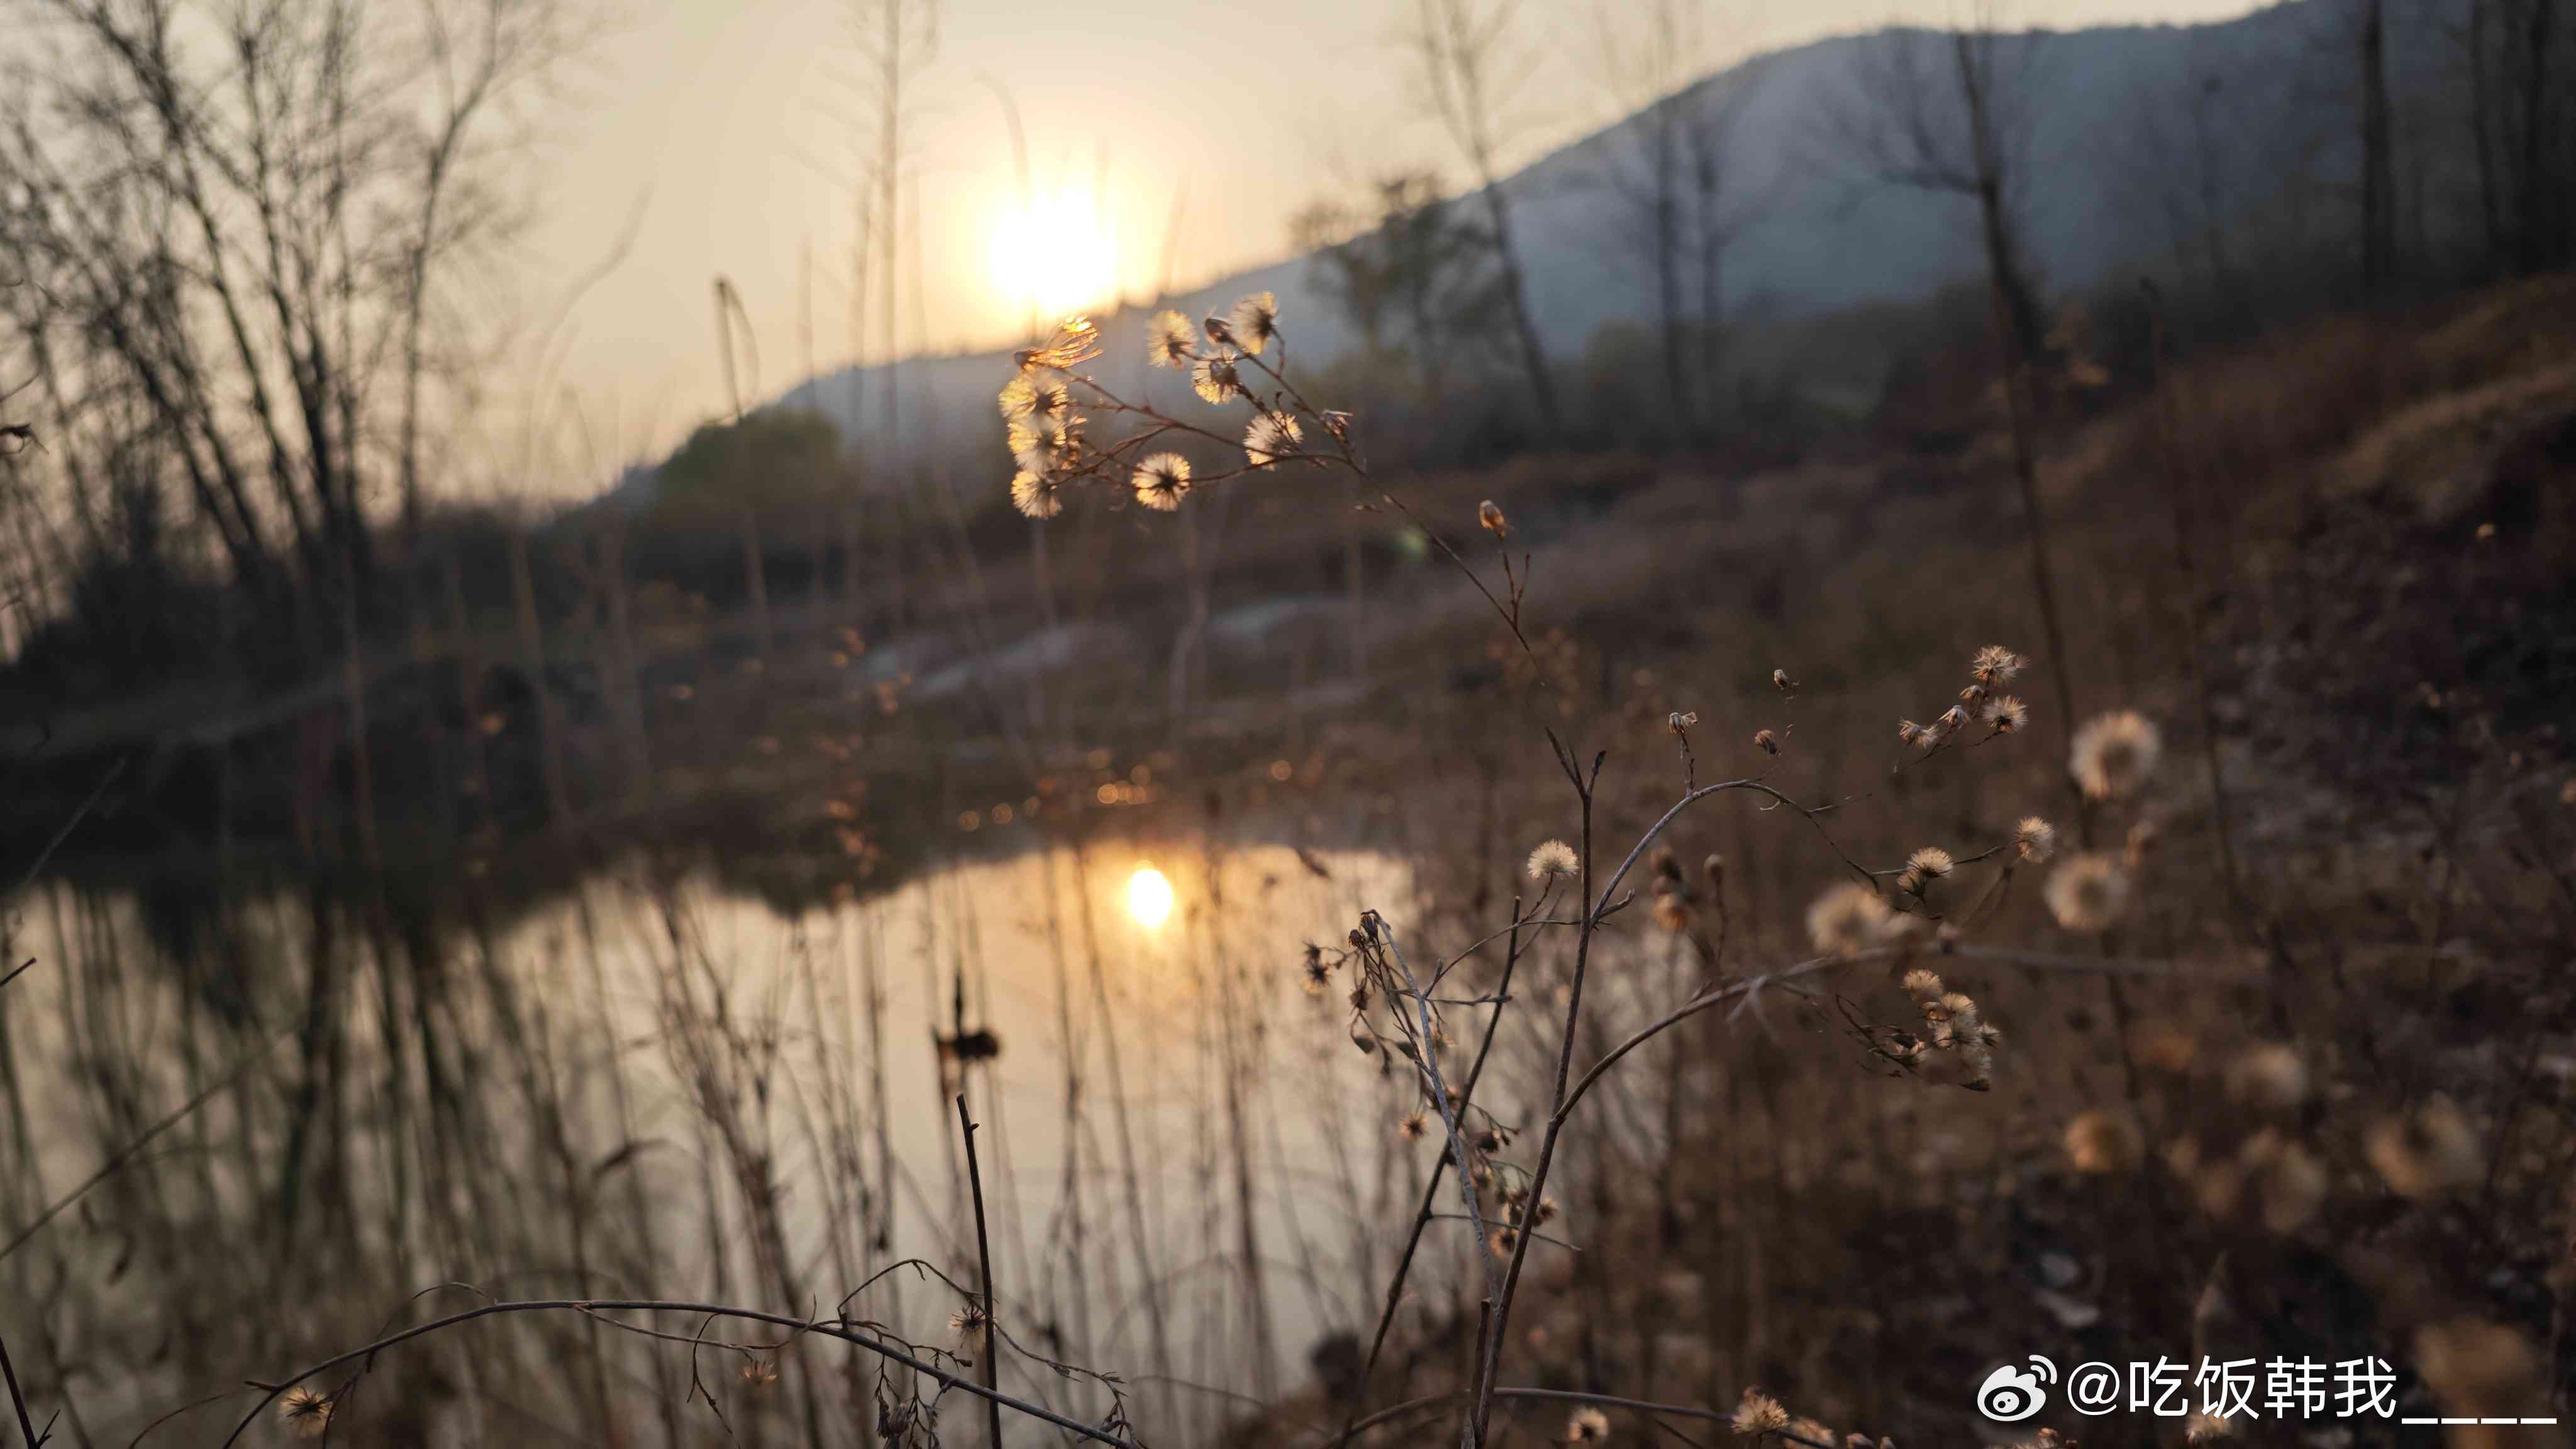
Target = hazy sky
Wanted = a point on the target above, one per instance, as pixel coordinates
(732, 121)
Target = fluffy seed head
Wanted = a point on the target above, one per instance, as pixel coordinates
(1170, 340)
(1767, 742)
(1847, 918)
(1995, 664)
(1759, 1413)
(2103, 1142)
(1588, 1426)
(1214, 377)
(1271, 437)
(1036, 494)
(2034, 839)
(2088, 893)
(307, 1414)
(2268, 1076)
(2113, 754)
(1075, 342)
(1253, 322)
(1161, 481)
(2005, 714)
(1490, 514)
(2426, 1152)
(1553, 858)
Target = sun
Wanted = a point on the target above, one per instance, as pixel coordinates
(1054, 254)
(1149, 897)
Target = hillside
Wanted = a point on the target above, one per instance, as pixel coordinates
(2247, 120)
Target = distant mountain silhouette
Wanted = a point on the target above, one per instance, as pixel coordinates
(2137, 138)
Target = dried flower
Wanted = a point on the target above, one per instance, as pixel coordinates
(1035, 395)
(1042, 444)
(1995, 664)
(1036, 494)
(1921, 984)
(1075, 342)
(2268, 1076)
(1758, 1413)
(1504, 1241)
(1413, 1126)
(307, 1415)
(2088, 893)
(2113, 754)
(1490, 514)
(1553, 858)
(2004, 714)
(1848, 918)
(1679, 722)
(1170, 340)
(2034, 839)
(1767, 742)
(1161, 481)
(2426, 1152)
(1924, 867)
(1270, 437)
(1781, 682)
(1214, 377)
(2103, 1142)
(1253, 322)
(1588, 1426)
(1910, 733)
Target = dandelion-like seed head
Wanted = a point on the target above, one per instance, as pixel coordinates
(1215, 378)
(2113, 754)
(1043, 444)
(969, 1319)
(1270, 437)
(2103, 1142)
(1161, 481)
(2034, 839)
(1504, 1241)
(1490, 514)
(2269, 1076)
(1075, 342)
(1036, 494)
(1551, 859)
(1035, 395)
(2005, 714)
(1847, 918)
(1758, 1413)
(1170, 340)
(2088, 893)
(1924, 867)
(1253, 323)
(1412, 1126)
(1923, 985)
(2426, 1152)
(1922, 736)
(307, 1415)
(1587, 1426)
(1995, 664)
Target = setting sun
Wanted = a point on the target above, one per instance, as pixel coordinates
(1149, 897)
(1054, 254)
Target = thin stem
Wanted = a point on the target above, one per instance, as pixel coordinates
(984, 1258)
(1431, 1190)
(826, 1328)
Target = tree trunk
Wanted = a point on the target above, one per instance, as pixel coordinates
(1516, 291)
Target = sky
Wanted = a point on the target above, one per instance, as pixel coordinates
(727, 131)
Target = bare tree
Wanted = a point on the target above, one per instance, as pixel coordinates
(1969, 137)
(1463, 50)
(1674, 183)
(241, 214)
(1648, 50)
